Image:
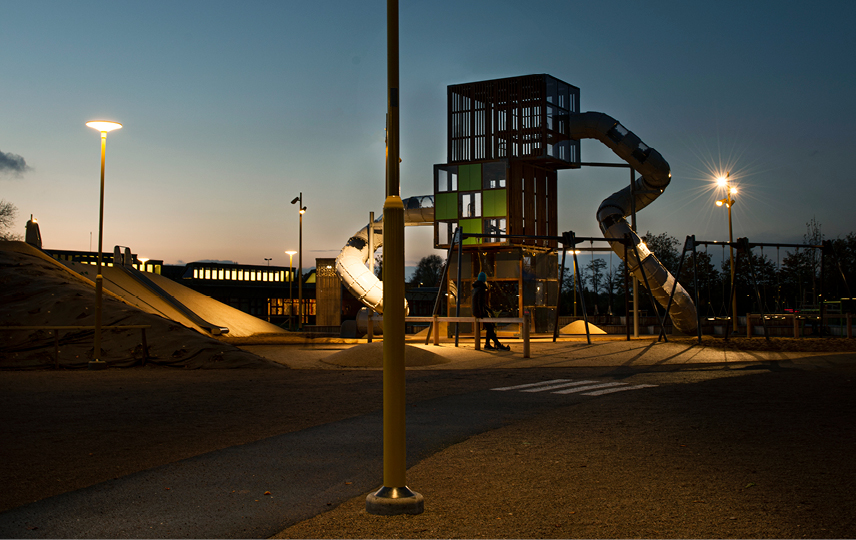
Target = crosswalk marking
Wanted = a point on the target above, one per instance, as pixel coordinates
(590, 387)
(621, 389)
(530, 385)
(557, 386)
(586, 387)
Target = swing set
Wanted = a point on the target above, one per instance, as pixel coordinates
(744, 247)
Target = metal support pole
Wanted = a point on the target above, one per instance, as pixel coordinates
(394, 498)
(96, 362)
(633, 226)
(675, 288)
(460, 238)
(650, 294)
(626, 287)
(370, 311)
(695, 285)
(561, 281)
(300, 268)
(582, 293)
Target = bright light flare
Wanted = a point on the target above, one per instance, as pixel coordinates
(103, 125)
(292, 253)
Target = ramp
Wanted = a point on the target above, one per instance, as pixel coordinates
(156, 294)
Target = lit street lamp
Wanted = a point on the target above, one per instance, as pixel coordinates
(103, 127)
(302, 209)
(728, 202)
(290, 283)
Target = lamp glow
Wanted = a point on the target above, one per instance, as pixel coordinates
(104, 125)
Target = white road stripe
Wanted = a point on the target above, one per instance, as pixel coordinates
(557, 386)
(591, 387)
(621, 389)
(530, 385)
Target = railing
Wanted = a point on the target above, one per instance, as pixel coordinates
(436, 320)
(56, 330)
(753, 320)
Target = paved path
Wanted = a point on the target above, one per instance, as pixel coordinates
(260, 488)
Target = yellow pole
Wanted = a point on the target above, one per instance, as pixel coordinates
(96, 362)
(394, 497)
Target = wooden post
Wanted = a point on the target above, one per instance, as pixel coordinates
(477, 333)
(748, 325)
(436, 330)
(526, 335)
(796, 326)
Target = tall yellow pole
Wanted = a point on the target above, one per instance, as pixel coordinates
(731, 253)
(96, 362)
(300, 268)
(394, 497)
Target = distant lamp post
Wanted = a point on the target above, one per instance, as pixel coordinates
(729, 200)
(102, 126)
(302, 209)
(268, 260)
(290, 283)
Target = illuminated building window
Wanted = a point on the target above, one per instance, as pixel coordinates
(207, 273)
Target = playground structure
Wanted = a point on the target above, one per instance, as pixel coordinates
(507, 140)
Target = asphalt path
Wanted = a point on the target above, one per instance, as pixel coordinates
(247, 455)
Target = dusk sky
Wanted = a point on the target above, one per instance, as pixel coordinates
(231, 109)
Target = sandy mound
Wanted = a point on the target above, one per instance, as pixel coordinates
(579, 327)
(371, 355)
(37, 291)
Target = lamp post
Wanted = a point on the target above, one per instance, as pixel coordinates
(299, 199)
(103, 126)
(268, 260)
(394, 497)
(290, 283)
(728, 202)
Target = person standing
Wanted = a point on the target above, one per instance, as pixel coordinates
(480, 310)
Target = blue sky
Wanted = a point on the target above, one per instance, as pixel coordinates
(232, 109)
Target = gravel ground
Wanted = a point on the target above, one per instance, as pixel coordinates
(760, 456)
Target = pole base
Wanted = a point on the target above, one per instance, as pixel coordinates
(97, 364)
(394, 501)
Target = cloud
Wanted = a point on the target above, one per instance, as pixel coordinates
(12, 164)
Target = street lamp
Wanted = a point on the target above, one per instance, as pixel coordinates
(299, 199)
(729, 200)
(103, 126)
(290, 283)
(268, 260)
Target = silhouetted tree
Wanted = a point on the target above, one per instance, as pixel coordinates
(8, 213)
(428, 272)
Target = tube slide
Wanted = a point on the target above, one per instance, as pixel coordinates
(351, 262)
(614, 209)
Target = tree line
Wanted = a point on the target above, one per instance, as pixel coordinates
(787, 278)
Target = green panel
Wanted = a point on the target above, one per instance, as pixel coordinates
(469, 177)
(494, 202)
(471, 226)
(446, 206)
